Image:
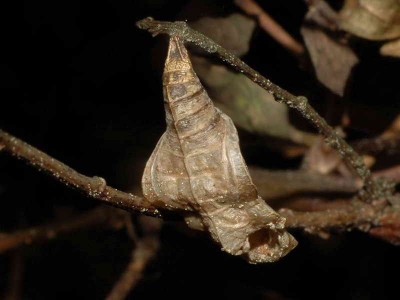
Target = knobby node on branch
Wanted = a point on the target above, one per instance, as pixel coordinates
(94, 187)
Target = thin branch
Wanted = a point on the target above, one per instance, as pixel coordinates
(392, 173)
(378, 145)
(274, 183)
(377, 219)
(269, 25)
(145, 250)
(372, 189)
(16, 276)
(317, 203)
(358, 215)
(94, 187)
(95, 217)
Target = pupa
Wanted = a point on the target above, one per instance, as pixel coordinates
(197, 168)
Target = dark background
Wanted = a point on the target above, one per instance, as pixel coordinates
(80, 82)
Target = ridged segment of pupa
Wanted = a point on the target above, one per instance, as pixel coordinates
(197, 166)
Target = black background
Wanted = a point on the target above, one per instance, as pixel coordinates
(80, 82)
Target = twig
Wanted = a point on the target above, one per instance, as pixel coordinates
(377, 145)
(16, 275)
(95, 217)
(372, 189)
(278, 184)
(268, 24)
(144, 251)
(358, 215)
(94, 187)
(314, 203)
(378, 219)
(392, 173)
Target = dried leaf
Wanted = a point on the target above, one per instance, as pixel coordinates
(321, 158)
(332, 60)
(393, 129)
(249, 106)
(233, 32)
(391, 48)
(322, 14)
(371, 19)
(197, 167)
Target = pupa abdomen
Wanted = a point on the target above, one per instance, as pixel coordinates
(197, 166)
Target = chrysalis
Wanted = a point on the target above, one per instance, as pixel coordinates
(197, 167)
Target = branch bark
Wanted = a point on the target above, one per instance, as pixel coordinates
(356, 214)
(272, 184)
(378, 219)
(373, 189)
(392, 173)
(145, 250)
(95, 217)
(378, 145)
(269, 25)
(378, 216)
(16, 277)
(94, 187)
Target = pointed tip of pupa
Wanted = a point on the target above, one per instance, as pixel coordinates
(177, 57)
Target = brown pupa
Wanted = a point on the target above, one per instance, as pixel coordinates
(197, 168)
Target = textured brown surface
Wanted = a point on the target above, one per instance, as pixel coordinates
(371, 19)
(197, 166)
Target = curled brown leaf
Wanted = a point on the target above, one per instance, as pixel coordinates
(233, 31)
(371, 19)
(332, 60)
(197, 168)
(249, 106)
(391, 48)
